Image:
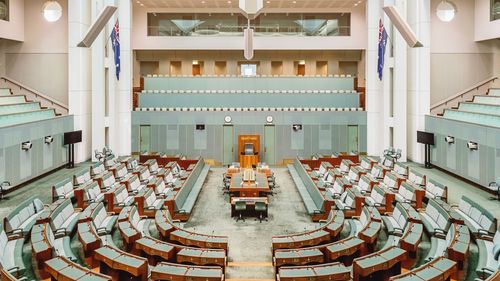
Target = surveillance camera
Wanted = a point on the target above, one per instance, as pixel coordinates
(449, 139)
(26, 145)
(49, 139)
(472, 145)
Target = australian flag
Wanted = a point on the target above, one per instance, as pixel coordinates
(115, 41)
(382, 42)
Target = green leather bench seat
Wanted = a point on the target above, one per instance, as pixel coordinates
(479, 220)
(396, 222)
(170, 271)
(435, 218)
(103, 222)
(121, 197)
(330, 271)
(11, 254)
(82, 177)
(401, 168)
(63, 190)
(43, 238)
(20, 220)
(347, 200)
(407, 193)
(311, 195)
(188, 194)
(489, 251)
(436, 190)
(64, 218)
(376, 198)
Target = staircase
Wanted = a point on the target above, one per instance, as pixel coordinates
(18, 89)
(481, 88)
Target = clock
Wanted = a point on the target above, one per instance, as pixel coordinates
(269, 119)
(227, 119)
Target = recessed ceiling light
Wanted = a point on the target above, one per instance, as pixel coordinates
(202, 2)
(142, 5)
(229, 2)
(268, 2)
(294, 2)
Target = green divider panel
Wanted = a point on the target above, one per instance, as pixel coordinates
(248, 83)
(249, 100)
(480, 108)
(19, 108)
(487, 99)
(477, 118)
(25, 117)
(11, 99)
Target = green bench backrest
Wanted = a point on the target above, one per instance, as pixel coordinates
(19, 108)
(25, 117)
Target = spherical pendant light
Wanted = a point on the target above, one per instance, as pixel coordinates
(52, 11)
(446, 11)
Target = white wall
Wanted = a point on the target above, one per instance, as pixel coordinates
(484, 28)
(41, 61)
(357, 40)
(14, 28)
(457, 61)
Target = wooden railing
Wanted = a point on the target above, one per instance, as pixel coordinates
(31, 94)
(480, 88)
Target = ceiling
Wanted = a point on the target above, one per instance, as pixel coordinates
(273, 4)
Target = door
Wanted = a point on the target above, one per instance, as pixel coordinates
(228, 143)
(196, 70)
(352, 138)
(301, 70)
(269, 145)
(145, 138)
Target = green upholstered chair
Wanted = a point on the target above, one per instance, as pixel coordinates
(240, 207)
(261, 208)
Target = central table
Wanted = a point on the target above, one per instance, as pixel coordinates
(258, 188)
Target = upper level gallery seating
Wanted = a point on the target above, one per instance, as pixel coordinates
(167, 93)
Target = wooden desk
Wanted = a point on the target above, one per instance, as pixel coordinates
(202, 256)
(180, 272)
(63, 269)
(248, 189)
(297, 257)
(250, 201)
(438, 269)
(329, 271)
(379, 265)
(155, 248)
(112, 260)
(249, 161)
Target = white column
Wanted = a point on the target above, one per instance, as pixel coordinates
(374, 93)
(79, 80)
(418, 76)
(98, 84)
(399, 118)
(123, 93)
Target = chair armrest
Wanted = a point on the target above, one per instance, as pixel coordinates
(181, 211)
(377, 205)
(317, 212)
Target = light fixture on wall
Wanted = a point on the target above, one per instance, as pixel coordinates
(52, 11)
(27, 145)
(446, 11)
(472, 145)
(449, 139)
(48, 139)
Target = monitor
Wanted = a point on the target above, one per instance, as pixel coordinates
(425, 138)
(72, 137)
(248, 149)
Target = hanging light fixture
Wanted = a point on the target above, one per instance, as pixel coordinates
(446, 11)
(52, 11)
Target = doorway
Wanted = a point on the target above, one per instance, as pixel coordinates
(352, 138)
(145, 138)
(228, 145)
(269, 144)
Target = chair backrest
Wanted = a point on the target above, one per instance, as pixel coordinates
(438, 214)
(121, 194)
(407, 191)
(364, 183)
(390, 180)
(97, 168)
(134, 183)
(121, 171)
(3, 243)
(61, 213)
(242, 203)
(150, 198)
(376, 171)
(345, 165)
(82, 177)
(144, 173)
(62, 188)
(92, 191)
(401, 169)
(108, 180)
(99, 215)
(110, 161)
(416, 177)
(436, 188)
(378, 195)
